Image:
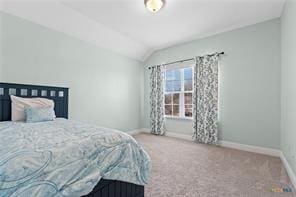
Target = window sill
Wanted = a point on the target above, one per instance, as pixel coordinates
(177, 118)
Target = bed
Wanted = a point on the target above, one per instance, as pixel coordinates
(65, 157)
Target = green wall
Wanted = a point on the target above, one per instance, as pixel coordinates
(288, 115)
(249, 84)
(111, 90)
(104, 86)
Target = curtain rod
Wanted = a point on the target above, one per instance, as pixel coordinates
(185, 60)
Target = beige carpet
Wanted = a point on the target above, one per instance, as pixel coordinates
(182, 168)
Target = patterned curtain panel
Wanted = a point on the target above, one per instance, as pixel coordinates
(205, 99)
(157, 100)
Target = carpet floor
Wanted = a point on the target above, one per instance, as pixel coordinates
(182, 168)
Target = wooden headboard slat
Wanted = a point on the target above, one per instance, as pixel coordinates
(16, 89)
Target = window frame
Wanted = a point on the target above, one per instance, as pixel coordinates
(181, 92)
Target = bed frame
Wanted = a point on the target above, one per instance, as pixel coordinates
(105, 188)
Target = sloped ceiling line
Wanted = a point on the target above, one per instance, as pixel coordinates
(127, 28)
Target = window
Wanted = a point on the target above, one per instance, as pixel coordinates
(178, 92)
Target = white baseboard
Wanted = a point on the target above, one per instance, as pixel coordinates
(250, 148)
(244, 147)
(138, 131)
(289, 170)
(169, 134)
(133, 132)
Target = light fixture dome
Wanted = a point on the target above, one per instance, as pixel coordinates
(154, 5)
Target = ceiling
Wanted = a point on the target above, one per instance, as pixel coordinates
(126, 27)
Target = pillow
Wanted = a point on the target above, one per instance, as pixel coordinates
(18, 105)
(39, 114)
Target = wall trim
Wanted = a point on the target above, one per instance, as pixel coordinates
(250, 148)
(222, 143)
(133, 132)
(137, 131)
(289, 170)
(243, 147)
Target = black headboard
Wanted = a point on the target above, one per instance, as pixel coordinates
(58, 94)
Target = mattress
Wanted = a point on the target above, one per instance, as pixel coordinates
(66, 158)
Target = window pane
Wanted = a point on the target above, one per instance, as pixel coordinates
(175, 110)
(176, 98)
(178, 74)
(169, 75)
(188, 85)
(188, 98)
(188, 73)
(168, 110)
(177, 85)
(188, 112)
(169, 86)
(168, 99)
(188, 106)
(173, 80)
(173, 75)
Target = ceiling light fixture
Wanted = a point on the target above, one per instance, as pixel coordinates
(154, 5)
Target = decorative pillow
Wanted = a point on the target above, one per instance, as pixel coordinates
(18, 105)
(39, 114)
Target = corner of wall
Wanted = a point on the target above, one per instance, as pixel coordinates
(288, 96)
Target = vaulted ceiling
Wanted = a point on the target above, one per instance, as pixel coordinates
(126, 27)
